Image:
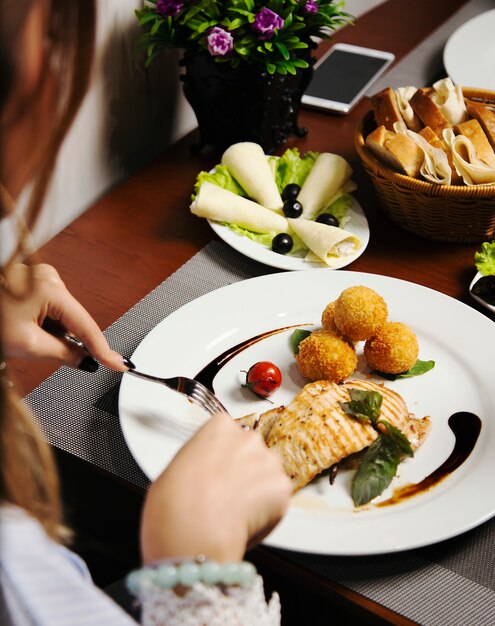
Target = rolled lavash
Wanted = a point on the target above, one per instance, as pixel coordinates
(221, 205)
(329, 243)
(248, 164)
(328, 175)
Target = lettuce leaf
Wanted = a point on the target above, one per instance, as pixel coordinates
(221, 177)
(339, 208)
(265, 239)
(485, 259)
(292, 168)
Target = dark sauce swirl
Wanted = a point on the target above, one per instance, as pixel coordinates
(466, 428)
(208, 373)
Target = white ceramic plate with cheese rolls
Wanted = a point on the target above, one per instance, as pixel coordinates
(244, 199)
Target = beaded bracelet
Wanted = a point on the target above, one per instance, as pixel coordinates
(168, 575)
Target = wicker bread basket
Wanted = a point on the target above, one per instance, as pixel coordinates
(440, 212)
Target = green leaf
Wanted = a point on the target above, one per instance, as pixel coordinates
(484, 259)
(297, 336)
(234, 24)
(221, 177)
(398, 436)
(364, 405)
(339, 207)
(300, 63)
(292, 168)
(144, 17)
(283, 50)
(265, 239)
(420, 367)
(376, 471)
(156, 26)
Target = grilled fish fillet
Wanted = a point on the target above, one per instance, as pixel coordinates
(312, 433)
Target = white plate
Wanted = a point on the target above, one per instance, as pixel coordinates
(490, 307)
(322, 518)
(357, 224)
(469, 54)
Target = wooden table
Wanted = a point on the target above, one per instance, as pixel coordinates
(141, 231)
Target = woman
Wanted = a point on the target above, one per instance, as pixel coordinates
(192, 550)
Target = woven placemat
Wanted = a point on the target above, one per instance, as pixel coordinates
(451, 583)
(424, 65)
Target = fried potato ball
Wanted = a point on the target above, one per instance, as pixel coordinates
(393, 349)
(359, 312)
(328, 317)
(325, 355)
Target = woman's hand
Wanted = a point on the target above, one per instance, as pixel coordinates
(35, 295)
(222, 493)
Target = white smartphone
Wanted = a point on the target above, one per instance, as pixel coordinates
(342, 76)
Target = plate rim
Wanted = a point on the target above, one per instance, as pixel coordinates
(452, 42)
(285, 262)
(274, 539)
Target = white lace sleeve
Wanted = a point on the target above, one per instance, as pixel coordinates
(210, 604)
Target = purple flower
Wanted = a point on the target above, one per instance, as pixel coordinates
(169, 8)
(220, 42)
(265, 23)
(311, 6)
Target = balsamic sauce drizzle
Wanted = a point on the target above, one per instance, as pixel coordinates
(466, 427)
(208, 373)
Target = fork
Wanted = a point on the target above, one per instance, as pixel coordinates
(194, 390)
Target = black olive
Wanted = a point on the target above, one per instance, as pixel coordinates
(484, 288)
(292, 208)
(328, 219)
(290, 191)
(282, 243)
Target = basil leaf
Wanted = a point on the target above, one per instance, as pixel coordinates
(398, 436)
(420, 367)
(376, 471)
(364, 405)
(297, 336)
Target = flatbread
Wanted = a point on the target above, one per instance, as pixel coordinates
(248, 164)
(474, 171)
(450, 99)
(404, 94)
(435, 167)
(329, 243)
(219, 204)
(328, 175)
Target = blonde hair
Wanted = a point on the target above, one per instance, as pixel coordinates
(28, 473)
(29, 477)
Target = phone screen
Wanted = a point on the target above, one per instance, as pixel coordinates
(342, 75)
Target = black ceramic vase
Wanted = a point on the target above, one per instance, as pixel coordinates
(243, 103)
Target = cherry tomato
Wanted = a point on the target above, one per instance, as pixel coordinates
(263, 378)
